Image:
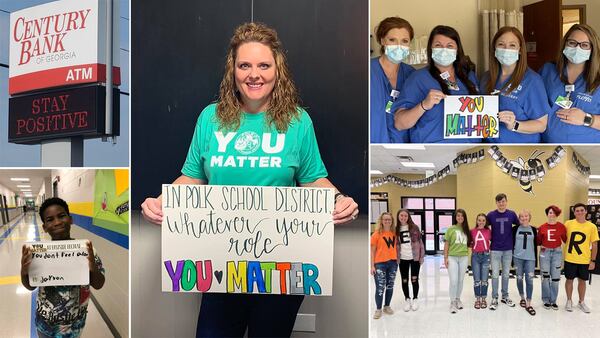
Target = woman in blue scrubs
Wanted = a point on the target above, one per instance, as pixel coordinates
(388, 73)
(420, 108)
(574, 94)
(522, 103)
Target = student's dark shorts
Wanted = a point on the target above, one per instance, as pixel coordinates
(580, 271)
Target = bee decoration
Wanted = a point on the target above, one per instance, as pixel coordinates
(529, 171)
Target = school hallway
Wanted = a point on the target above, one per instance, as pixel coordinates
(433, 318)
(17, 308)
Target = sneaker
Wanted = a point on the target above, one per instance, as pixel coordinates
(377, 314)
(554, 307)
(453, 308)
(388, 310)
(569, 306)
(415, 304)
(459, 304)
(508, 302)
(547, 306)
(407, 305)
(584, 307)
(494, 304)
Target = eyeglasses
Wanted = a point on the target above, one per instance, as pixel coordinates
(586, 45)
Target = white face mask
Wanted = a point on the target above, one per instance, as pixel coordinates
(577, 55)
(507, 57)
(396, 53)
(443, 56)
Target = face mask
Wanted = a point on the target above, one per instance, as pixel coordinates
(507, 57)
(396, 53)
(577, 55)
(443, 56)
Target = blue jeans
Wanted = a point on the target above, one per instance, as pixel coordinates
(457, 267)
(550, 263)
(480, 262)
(525, 267)
(504, 258)
(385, 275)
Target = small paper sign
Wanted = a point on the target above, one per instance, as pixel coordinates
(57, 263)
(473, 117)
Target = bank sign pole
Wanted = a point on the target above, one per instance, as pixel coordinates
(62, 56)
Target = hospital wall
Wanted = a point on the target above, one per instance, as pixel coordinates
(77, 188)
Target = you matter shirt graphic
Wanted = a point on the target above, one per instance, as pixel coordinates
(255, 153)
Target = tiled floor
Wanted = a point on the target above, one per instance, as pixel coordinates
(15, 301)
(433, 319)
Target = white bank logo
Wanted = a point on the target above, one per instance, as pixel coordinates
(246, 144)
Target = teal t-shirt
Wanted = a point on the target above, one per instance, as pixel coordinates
(255, 154)
(457, 241)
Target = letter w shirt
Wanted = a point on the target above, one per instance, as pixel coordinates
(255, 154)
(580, 236)
(385, 246)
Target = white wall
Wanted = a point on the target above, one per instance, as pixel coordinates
(75, 185)
(592, 10)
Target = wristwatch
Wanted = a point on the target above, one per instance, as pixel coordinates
(516, 126)
(588, 120)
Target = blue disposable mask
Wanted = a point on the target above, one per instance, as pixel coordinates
(443, 56)
(507, 57)
(577, 55)
(396, 53)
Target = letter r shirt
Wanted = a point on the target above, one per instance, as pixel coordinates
(254, 154)
(584, 234)
(502, 223)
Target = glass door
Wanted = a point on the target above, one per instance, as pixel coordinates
(443, 220)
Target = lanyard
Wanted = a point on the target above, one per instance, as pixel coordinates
(451, 85)
(569, 89)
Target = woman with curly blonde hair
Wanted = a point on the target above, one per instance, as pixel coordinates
(254, 135)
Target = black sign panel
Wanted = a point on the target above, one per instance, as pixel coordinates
(60, 113)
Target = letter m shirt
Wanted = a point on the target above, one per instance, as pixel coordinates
(580, 236)
(256, 153)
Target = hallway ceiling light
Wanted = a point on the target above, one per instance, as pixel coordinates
(25, 190)
(23, 186)
(594, 177)
(376, 172)
(418, 165)
(19, 179)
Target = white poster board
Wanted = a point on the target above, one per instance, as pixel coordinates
(59, 263)
(242, 239)
(471, 116)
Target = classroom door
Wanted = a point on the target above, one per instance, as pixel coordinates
(542, 27)
(443, 220)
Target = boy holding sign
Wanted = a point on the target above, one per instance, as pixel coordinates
(61, 310)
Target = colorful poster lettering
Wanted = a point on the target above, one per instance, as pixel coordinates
(59, 263)
(242, 239)
(474, 116)
(111, 200)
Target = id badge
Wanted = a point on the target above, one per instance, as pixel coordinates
(388, 106)
(563, 102)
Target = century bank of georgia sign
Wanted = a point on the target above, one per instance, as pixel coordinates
(58, 44)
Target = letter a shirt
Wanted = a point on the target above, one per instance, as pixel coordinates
(385, 246)
(580, 236)
(254, 154)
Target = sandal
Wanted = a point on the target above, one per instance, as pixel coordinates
(530, 310)
(523, 303)
(477, 304)
(483, 303)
